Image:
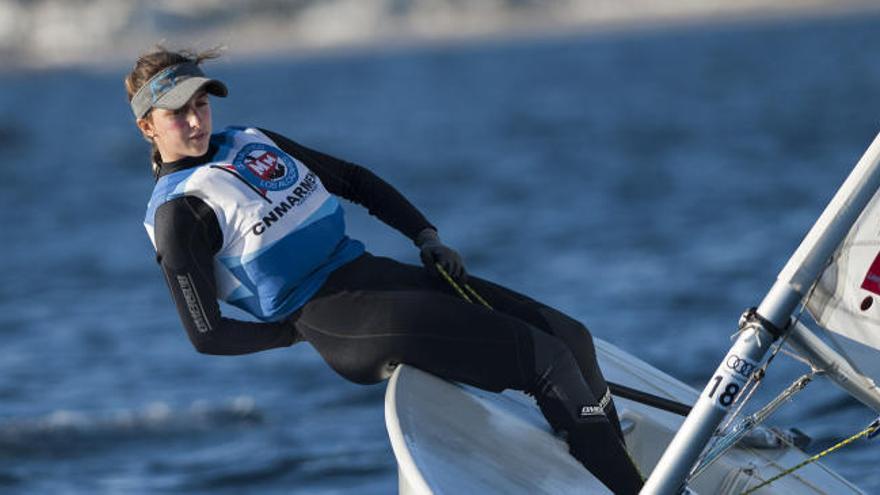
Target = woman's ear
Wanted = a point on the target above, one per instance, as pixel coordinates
(146, 127)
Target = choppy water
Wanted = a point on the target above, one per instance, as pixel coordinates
(652, 184)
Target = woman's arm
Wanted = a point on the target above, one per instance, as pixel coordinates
(187, 238)
(359, 185)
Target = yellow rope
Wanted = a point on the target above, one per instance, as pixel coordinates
(477, 296)
(868, 431)
(458, 288)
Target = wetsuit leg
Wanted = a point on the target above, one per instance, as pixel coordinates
(562, 394)
(572, 332)
(376, 311)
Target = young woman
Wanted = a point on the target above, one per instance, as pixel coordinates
(250, 217)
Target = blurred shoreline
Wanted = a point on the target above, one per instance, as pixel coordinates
(101, 33)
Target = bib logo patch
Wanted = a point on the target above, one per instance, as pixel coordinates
(266, 167)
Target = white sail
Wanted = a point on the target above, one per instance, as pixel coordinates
(846, 299)
(791, 286)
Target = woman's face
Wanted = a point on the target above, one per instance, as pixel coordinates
(180, 133)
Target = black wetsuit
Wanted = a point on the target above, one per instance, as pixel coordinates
(375, 312)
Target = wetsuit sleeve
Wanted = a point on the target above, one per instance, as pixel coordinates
(187, 238)
(358, 185)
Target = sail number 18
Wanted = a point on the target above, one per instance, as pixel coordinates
(727, 397)
(730, 378)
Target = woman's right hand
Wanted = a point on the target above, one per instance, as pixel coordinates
(433, 251)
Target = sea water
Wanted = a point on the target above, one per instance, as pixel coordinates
(651, 183)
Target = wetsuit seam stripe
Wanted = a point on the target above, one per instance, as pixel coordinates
(373, 335)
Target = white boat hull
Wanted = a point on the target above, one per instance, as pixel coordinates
(450, 438)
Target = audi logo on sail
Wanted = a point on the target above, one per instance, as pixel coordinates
(740, 366)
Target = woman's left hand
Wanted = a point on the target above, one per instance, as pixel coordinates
(434, 251)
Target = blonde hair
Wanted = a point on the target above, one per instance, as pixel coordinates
(148, 65)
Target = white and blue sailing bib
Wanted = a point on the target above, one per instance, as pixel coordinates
(283, 233)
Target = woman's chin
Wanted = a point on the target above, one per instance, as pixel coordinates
(198, 148)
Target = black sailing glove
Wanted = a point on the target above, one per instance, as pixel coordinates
(433, 251)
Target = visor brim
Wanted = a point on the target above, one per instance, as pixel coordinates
(178, 96)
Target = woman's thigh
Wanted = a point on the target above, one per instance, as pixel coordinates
(385, 313)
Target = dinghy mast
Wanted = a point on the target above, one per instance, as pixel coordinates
(770, 322)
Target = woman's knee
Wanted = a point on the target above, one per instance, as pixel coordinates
(548, 351)
(564, 324)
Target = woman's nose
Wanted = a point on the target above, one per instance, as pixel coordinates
(193, 118)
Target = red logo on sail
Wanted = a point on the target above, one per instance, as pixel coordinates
(872, 279)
